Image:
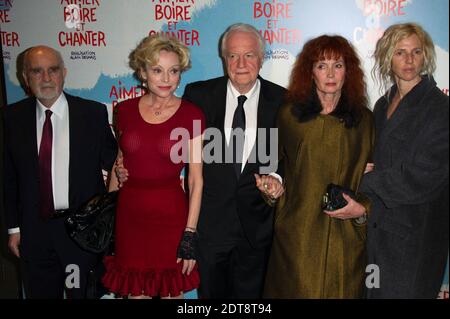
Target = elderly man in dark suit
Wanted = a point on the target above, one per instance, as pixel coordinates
(56, 146)
(235, 223)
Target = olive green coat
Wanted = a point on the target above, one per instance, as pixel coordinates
(313, 255)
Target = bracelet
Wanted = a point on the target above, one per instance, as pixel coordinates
(191, 229)
(361, 219)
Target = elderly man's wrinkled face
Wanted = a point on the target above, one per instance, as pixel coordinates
(44, 74)
(242, 59)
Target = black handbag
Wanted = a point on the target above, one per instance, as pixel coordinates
(333, 199)
(92, 225)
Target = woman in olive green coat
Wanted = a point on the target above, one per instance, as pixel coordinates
(325, 135)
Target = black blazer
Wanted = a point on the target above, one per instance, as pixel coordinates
(92, 148)
(224, 195)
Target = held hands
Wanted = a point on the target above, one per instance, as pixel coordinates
(353, 209)
(13, 244)
(369, 168)
(269, 186)
(121, 172)
(187, 251)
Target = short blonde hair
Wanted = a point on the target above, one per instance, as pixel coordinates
(384, 51)
(147, 52)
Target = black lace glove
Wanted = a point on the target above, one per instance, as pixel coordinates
(188, 245)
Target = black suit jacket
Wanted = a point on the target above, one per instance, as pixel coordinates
(224, 195)
(92, 148)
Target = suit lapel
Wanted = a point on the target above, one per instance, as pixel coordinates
(264, 121)
(31, 135)
(219, 102)
(218, 106)
(399, 116)
(406, 110)
(77, 131)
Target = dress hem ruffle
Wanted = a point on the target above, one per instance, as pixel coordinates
(149, 282)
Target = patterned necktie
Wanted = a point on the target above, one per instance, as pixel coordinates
(239, 122)
(47, 207)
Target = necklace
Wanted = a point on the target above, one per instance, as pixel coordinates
(158, 112)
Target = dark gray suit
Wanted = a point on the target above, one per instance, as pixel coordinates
(408, 229)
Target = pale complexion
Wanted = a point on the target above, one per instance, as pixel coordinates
(407, 64)
(162, 80)
(329, 77)
(157, 107)
(44, 74)
(243, 60)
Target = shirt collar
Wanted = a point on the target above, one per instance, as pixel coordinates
(59, 108)
(249, 94)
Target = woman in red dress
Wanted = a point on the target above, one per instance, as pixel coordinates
(159, 134)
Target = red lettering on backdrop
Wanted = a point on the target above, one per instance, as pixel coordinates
(385, 7)
(188, 37)
(276, 12)
(173, 12)
(120, 93)
(82, 15)
(78, 14)
(272, 10)
(81, 2)
(7, 38)
(83, 38)
(4, 16)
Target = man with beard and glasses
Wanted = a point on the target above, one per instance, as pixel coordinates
(56, 146)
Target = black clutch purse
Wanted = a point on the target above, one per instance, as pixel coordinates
(92, 225)
(333, 199)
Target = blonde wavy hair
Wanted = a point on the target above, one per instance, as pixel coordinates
(384, 51)
(147, 53)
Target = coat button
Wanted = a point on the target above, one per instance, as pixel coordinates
(374, 225)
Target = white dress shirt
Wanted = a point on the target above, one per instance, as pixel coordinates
(251, 115)
(60, 150)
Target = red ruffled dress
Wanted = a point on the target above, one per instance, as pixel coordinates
(152, 207)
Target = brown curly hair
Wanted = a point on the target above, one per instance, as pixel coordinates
(302, 87)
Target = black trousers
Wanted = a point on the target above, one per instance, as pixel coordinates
(232, 270)
(54, 264)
